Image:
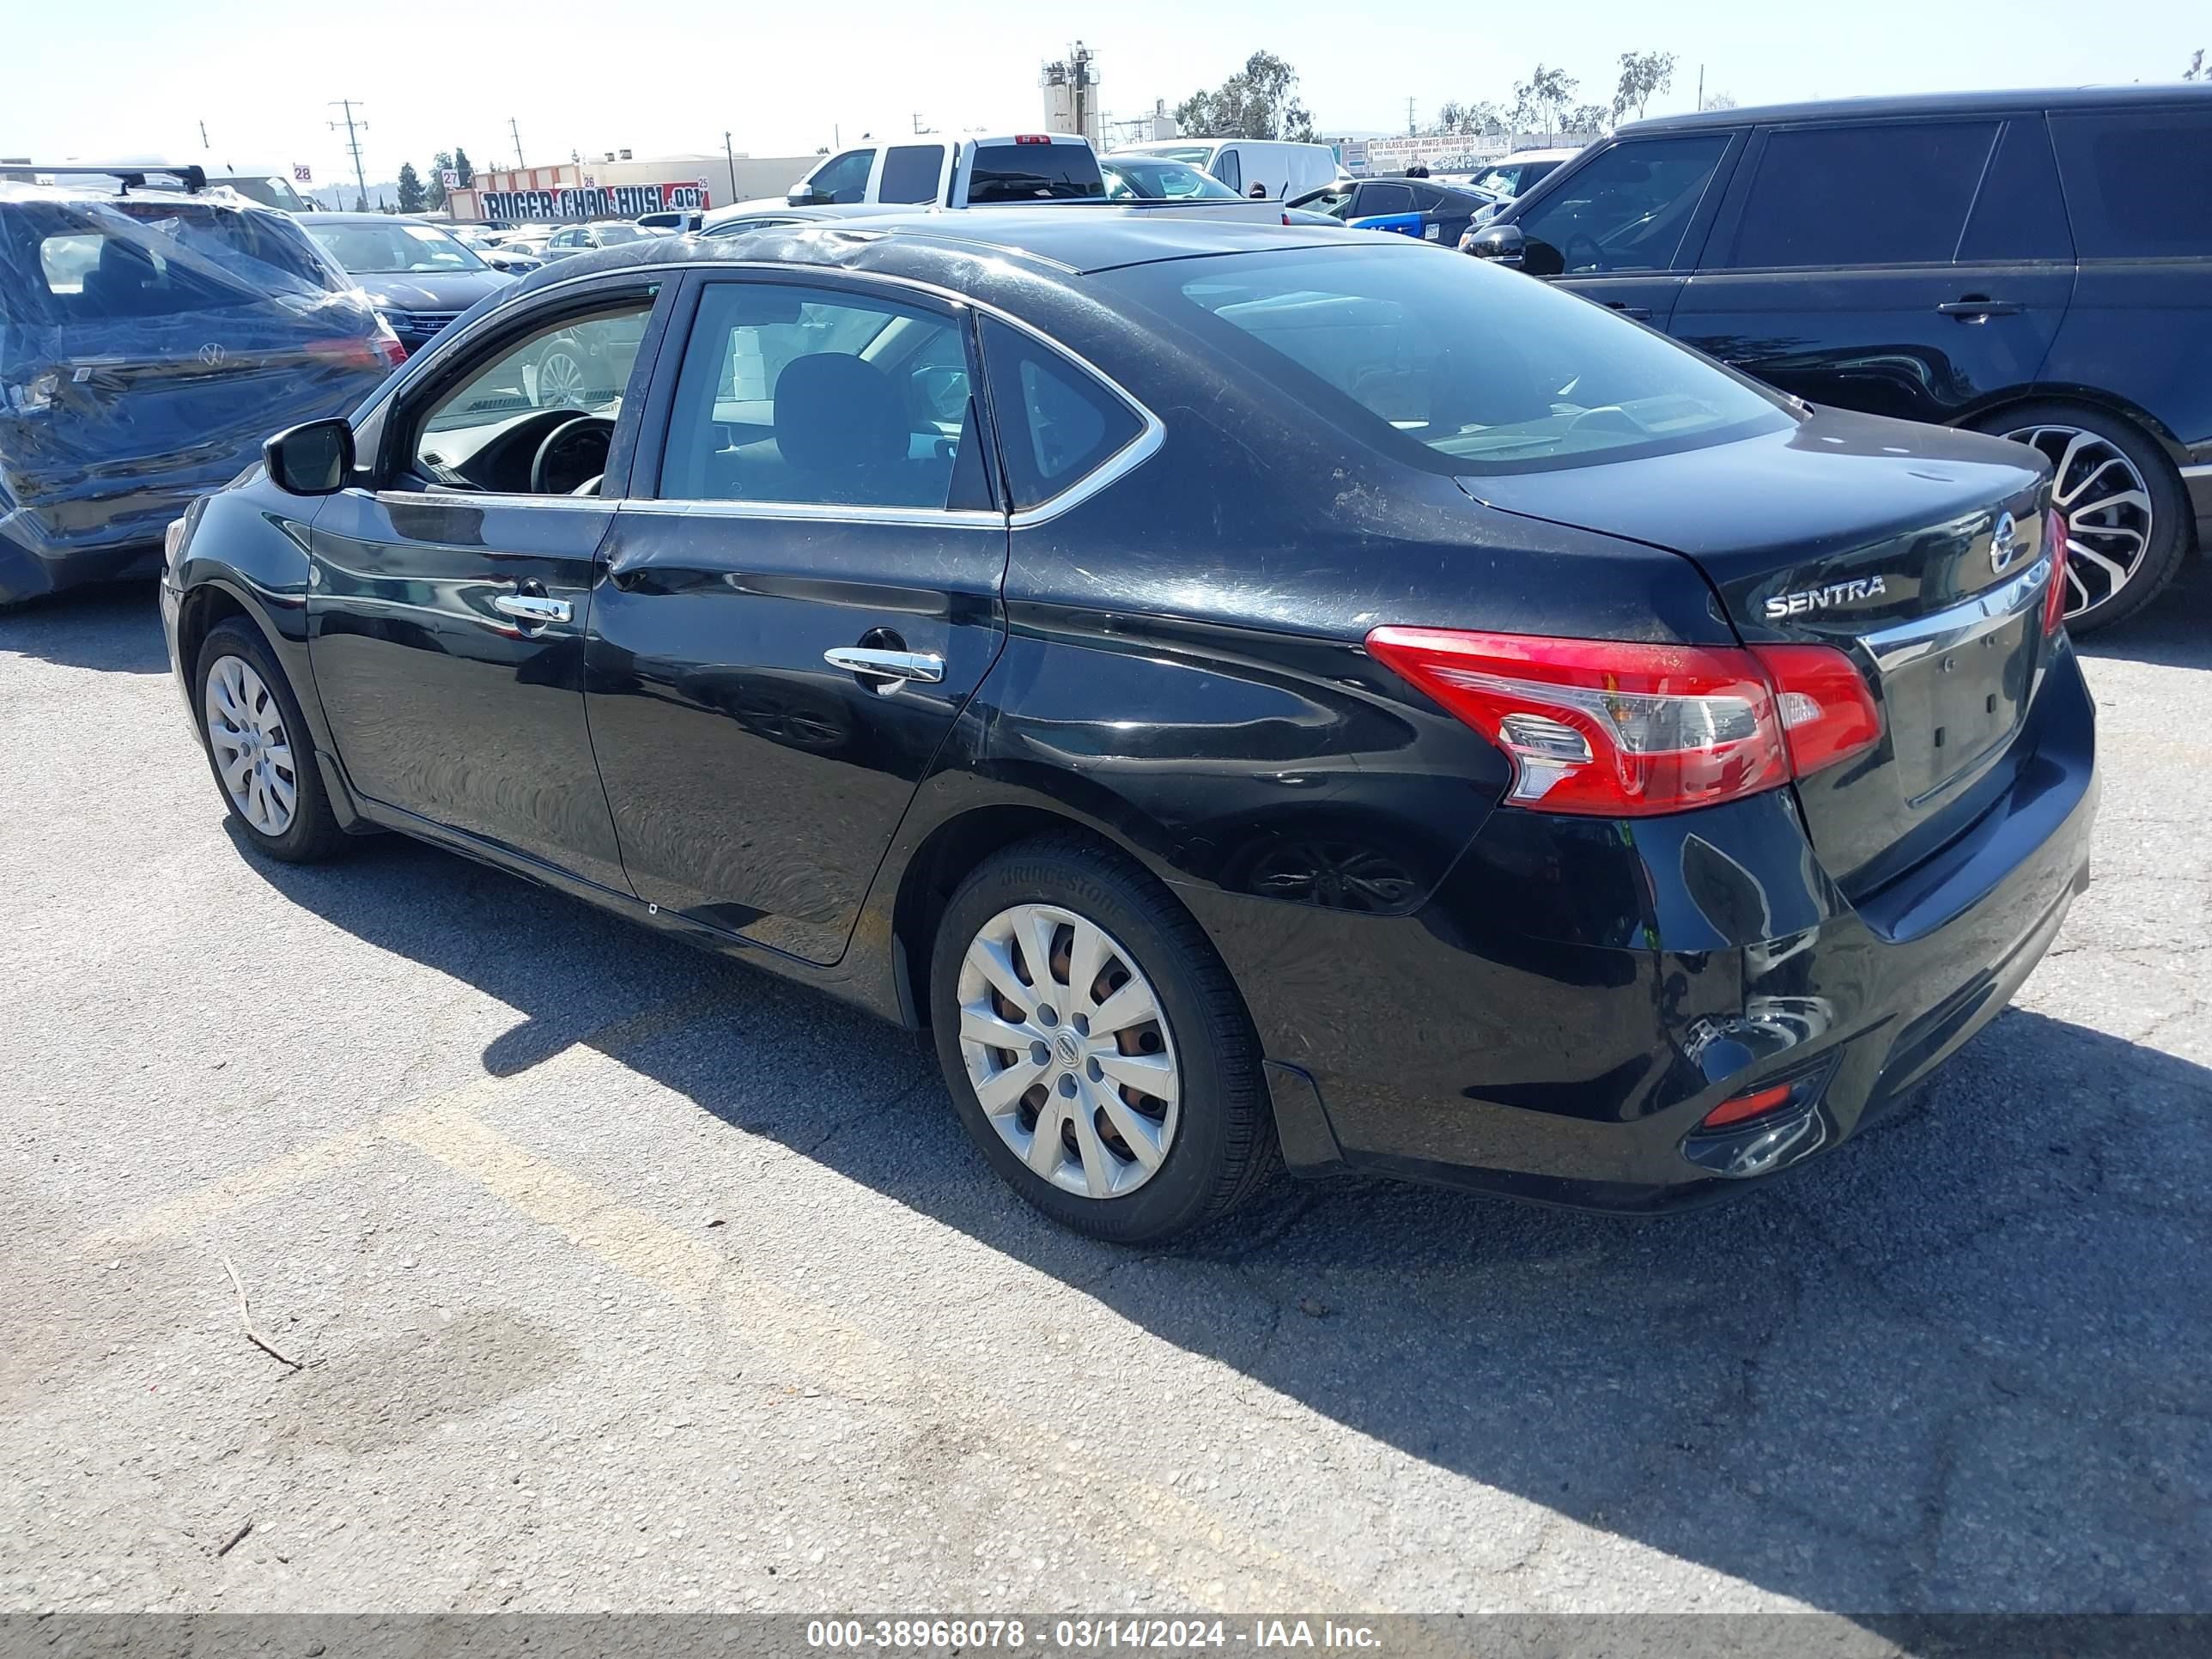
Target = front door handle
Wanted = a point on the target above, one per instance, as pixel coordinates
(1641, 313)
(894, 666)
(534, 609)
(1973, 310)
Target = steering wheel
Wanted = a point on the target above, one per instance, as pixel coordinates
(1583, 239)
(573, 453)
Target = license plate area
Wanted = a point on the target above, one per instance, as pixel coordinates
(1953, 708)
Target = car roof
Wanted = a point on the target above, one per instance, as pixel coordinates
(367, 219)
(1928, 103)
(1079, 238)
(1554, 155)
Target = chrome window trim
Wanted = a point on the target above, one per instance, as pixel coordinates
(1151, 434)
(1907, 641)
(2201, 470)
(939, 518)
(490, 498)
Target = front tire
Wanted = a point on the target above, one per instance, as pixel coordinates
(259, 748)
(1094, 1046)
(2127, 517)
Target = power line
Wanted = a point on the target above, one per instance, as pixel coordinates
(353, 130)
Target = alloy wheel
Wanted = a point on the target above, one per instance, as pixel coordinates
(560, 380)
(2107, 507)
(252, 751)
(1068, 1050)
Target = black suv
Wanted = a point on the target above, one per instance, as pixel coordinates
(2037, 265)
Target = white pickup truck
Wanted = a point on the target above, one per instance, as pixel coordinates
(1010, 170)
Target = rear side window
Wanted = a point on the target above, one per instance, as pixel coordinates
(1385, 199)
(2018, 215)
(1057, 425)
(1034, 172)
(2139, 187)
(1862, 196)
(911, 172)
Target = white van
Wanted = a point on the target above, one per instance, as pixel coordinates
(1265, 169)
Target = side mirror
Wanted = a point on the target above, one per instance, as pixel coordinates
(808, 195)
(1502, 243)
(315, 459)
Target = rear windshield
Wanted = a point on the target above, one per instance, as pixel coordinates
(1454, 364)
(1034, 172)
(374, 250)
(89, 261)
(1158, 180)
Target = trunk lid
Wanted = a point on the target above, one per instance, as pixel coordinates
(1918, 551)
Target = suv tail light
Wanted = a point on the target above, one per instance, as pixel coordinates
(1614, 729)
(2054, 601)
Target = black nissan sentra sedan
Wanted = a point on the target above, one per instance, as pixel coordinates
(1242, 689)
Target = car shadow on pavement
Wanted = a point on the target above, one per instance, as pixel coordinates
(1958, 1365)
(2175, 631)
(116, 626)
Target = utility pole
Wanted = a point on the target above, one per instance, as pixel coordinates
(515, 132)
(204, 138)
(1701, 86)
(731, 156)
(1413, 127)
(354, 128)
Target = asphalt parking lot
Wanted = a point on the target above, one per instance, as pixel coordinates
(624, 1278)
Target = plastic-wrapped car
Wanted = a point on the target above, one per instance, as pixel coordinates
(150, 340)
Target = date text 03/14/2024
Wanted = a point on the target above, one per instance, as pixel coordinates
(1087, 1635)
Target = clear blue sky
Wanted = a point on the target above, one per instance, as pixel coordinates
(104, 78)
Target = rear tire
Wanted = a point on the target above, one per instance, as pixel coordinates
(259, 748)
(1132, 1167)
(2129, 517)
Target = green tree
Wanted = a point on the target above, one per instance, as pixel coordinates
(1642, 74)
(434, 187)
(411, 189)
(2199, 69)
(461, 166)
(1258, 101)
(1720, 101)
(1589, 118)
(1545, 94)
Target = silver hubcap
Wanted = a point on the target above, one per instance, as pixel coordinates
(252, 752)
(1067, 1050)
(560, 382)
(2107, 508)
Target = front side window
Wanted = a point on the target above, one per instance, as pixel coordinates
(2139, 185)
(1229, 169)
(1332, 199)
(1626, 208)
(845, 178)
(1883, 195)
(911, 172)
(1453, 365)
(1057, 424)
(819, 397)
(484, 434)
(1378, 199)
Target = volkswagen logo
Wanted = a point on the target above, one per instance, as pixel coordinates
(212, 354)
(2004, 543)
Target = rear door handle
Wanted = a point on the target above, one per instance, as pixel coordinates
(1972, 310)
(896, 666)
(533, 608)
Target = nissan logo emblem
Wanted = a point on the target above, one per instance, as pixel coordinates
(2004, 543)
(212, 354)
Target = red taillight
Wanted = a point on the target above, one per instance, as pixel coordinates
(392, 352)
(1826, 712)
(1613, 729)
(2054, 600)
(376, 352)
